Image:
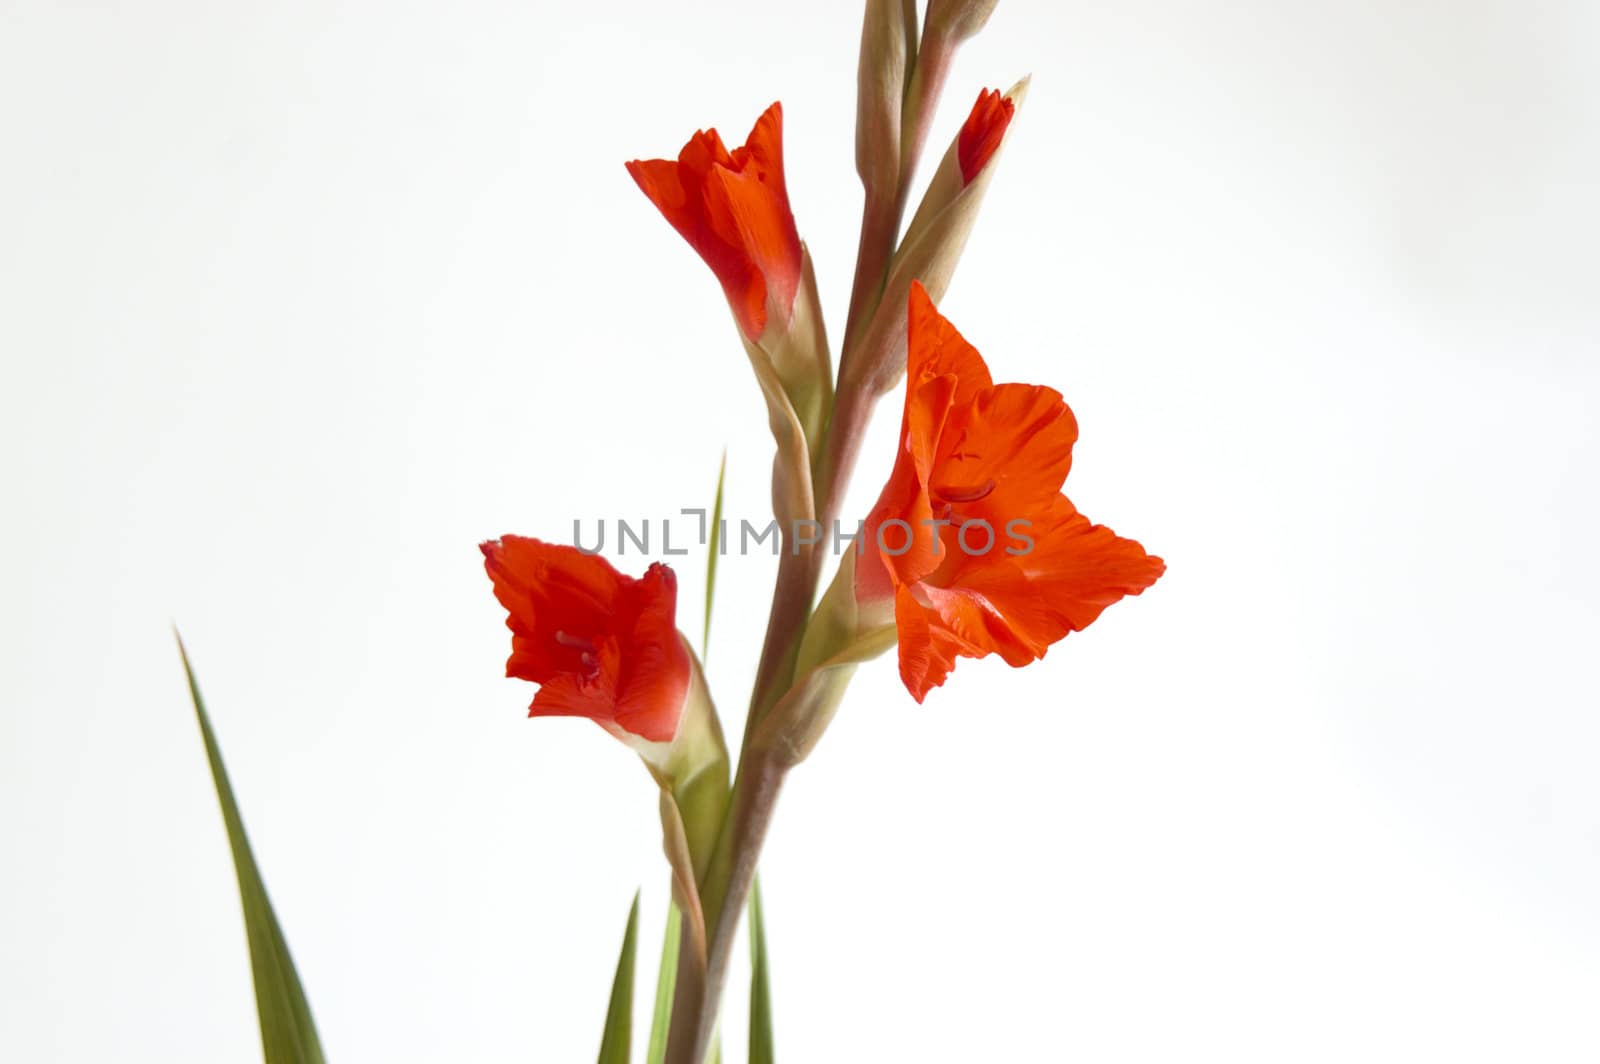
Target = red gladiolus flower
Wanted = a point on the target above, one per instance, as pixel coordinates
(982, 132)
(733, 208)
(972, 541)
(600, 644)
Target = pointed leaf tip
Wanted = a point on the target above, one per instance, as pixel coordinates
(713, 547)
(761, 1049)
(288, 1034)
(617, 1041)
(666, 987)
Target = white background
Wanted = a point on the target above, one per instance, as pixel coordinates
(299, 301)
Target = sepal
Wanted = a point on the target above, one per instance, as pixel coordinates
(692, 769)
(685, 889)
(794, 353)
(841, 635)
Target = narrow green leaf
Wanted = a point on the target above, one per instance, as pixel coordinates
(288, 1035)
(617, 1042)
(666, 985)
(760, 987)
(714, 543)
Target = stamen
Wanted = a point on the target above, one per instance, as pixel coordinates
(966, 494)
(575, 642)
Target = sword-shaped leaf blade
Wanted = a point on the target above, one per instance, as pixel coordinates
(760, 987)
(666, 986)
(617, 1041)
(288, 1035)
(714, 546)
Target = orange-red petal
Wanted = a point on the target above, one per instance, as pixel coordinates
(926, 655)
(1004, 454)
(1029, 569)
(549, 590)
(982, 132)
(733, 209)
(653, 678)
(600, 644)
(1017, 607)
(1078, 568)
(934, 348)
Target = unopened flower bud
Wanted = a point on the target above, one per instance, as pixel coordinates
(956, 20)
(937, 234)
(888, 49)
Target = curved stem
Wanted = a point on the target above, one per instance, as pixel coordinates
(728, 878)
(727, 886)
(800, 568)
